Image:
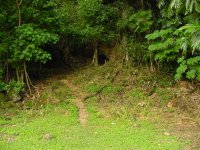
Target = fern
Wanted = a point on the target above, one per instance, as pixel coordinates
(193, 61)
(181, 70)
(191, 74)
(178, 41)
(161, 45)
(196, 40)
(193, 31)
(190, 5)
(182, 46)
(190, 67)
(158, 34)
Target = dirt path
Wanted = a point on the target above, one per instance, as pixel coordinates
(79, 96)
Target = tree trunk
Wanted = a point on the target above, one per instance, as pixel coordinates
(95, 56)
(142, 4)
(24, 73)
(19, 2)
(124, 47)
(27, 78)
(125, 36)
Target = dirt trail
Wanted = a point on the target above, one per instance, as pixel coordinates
(79, 97)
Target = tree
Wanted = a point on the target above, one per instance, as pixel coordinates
(30, 25)
(95, 23)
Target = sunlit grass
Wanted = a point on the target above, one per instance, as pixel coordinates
(57, 127)
(51, 123)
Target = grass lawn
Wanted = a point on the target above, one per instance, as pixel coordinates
(57, 128)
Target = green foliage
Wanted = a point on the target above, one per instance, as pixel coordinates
(1, 72)
(190, 5)
(110, 89)
(180, 46)
(15, 86)
(94, 20)
(190, 67)
(93, 88)
(45, 13)
(136, 22)
(25, 32)
(2, 84)
(28, 31)
(158, 34)
(133, 26)
(192, 30)
(165, 45)
(137, 51)
(137, 95)
(28, 42)
(164, 95)
(178, 42)
(140, 21)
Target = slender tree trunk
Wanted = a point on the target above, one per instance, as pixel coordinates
(125, 43)
(17, 73)
(124, 35)
(95, 61)
(27, 78)
(19, 2)
(152, 68)
(142, 4)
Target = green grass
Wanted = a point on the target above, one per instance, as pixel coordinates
(27, 130)
(50, 122)
(136, 94)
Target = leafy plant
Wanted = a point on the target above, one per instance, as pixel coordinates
(28, 42)
(2, 84)
(133, 25)
(165, 45)
(24, 35)
(15, 86)
(181, 42)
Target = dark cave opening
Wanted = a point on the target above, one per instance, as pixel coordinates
(102, 59)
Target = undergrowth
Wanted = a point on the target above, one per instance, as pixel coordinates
(127, 114)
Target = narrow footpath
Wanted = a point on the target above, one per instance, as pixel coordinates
(79, 98)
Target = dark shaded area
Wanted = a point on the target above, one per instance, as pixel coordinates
(102, 58)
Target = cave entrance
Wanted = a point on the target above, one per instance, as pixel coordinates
(102, 59)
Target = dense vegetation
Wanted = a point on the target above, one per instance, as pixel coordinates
(162, 34)
(99, 74)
